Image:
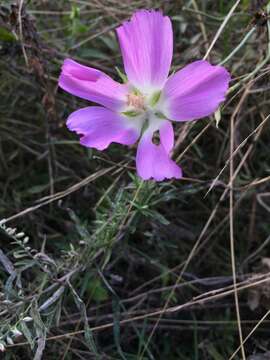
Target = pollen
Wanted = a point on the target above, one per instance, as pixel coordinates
(136, 101)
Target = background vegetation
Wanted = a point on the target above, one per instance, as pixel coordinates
(95, 263)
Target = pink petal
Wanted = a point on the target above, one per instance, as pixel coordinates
(166, 135)
(91, 84)
(146, 43)
(195, 91)
(100, 127)
(153, 161)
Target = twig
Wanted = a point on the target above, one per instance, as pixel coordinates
(231, 212)
(21, 32)
(222, 26)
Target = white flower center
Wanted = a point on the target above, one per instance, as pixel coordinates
(143, 110)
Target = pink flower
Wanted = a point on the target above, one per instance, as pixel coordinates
(149, 101)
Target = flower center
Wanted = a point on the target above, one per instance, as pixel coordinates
(136, 101)
(144, 107)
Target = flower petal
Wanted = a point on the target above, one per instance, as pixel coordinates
(195, 91)
(146, 43)
(92, 84)
(166, 136)
(153, 161)
(100, 127)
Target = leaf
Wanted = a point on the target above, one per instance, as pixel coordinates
(215, 355)
(37, 188)
(122, 76)
(27, 334)
(110, 42)
(55, 296)
(93, 54)
(19, 254)
(75, 12)
(87, 331)
(98, 293)
(80, 227)
(40, 329)
(159, 217)
(6, 35)
(116, 327)
(78, 27)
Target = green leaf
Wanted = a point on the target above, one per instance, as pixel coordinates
(27, 333)
(110, 42)
(88, 335)
(116, 327)
(79, 27)
(93, 54)
(37, 189)
(121, 75)
(75, 12)
(159, 217)
(6, 35)
(80, 227)
(19, 254)
(215, 355)
(40, 329)
(98, 292)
